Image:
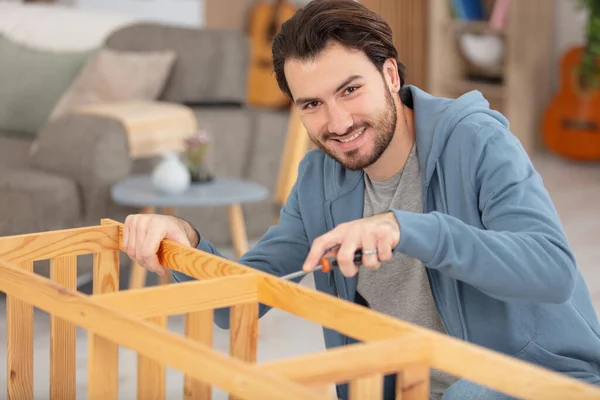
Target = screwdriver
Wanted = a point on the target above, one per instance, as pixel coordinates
(326, 264)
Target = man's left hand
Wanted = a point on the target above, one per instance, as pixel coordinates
(377, 236)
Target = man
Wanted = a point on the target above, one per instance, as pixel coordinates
(457, 230)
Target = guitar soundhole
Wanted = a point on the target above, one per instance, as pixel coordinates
(263, 63)
(579, 124)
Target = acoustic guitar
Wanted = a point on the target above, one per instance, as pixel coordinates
(265, 21)
(571, 123)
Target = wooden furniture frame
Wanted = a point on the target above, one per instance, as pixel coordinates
(136, 319)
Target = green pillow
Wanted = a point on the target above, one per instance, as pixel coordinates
(31, 83)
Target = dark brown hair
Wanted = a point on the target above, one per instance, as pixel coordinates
(347, 22)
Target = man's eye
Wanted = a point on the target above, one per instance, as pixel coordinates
(351, 89)
(312, 104)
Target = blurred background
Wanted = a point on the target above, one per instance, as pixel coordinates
(113, 107)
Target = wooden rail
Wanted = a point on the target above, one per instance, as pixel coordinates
(137, 319)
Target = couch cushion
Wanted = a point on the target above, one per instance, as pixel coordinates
(14, 150)
(31, 82)
(116, 76)
(211, 65)
(33, 201)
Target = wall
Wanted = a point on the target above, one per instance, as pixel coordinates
(177, 12)
(570, 25)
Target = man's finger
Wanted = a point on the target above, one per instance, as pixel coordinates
(370, 257)
(320, 245)
(150, 249)
(345, 256)
(384, 249)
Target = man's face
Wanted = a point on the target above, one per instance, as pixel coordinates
(345, 105)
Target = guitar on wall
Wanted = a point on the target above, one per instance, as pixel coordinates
(571, 123)
(266, 19)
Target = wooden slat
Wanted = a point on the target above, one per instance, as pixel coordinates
(368, 388)
(507, 374)
(354, 361)
(103, 356)
(151, 374)
(19, 344)
(51, 244)
(190, 261)
(343, 316)
(198, 327)
(197, 360)
(243, 334)
(413, 383)
(511, 376)
(184, 297)
(63, 271)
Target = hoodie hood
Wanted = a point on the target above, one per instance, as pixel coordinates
(436, 118)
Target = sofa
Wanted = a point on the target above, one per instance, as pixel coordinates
(59, 175)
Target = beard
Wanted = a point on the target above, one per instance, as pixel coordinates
(383, 127)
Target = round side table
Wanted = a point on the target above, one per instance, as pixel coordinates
(138, 191)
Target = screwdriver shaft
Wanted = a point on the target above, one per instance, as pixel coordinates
(300, 273)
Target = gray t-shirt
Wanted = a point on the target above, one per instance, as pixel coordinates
(400, 287)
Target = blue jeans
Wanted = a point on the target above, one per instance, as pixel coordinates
(462, 389)
(459, 390)
(466, 390)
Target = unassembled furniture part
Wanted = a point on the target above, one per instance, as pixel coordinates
(136, 320)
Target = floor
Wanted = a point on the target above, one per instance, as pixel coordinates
(574, 188)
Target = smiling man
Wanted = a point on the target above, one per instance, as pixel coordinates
(457, 231)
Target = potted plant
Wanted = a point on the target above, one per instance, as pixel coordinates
(589, 71)
(196, 156)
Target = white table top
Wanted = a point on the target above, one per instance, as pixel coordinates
(139, 191)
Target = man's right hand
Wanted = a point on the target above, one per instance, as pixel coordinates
(143, 233)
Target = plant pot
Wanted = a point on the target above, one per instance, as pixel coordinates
(200, 173)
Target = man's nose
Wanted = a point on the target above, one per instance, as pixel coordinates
(340, 120)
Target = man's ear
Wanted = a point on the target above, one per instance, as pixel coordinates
(391, 75)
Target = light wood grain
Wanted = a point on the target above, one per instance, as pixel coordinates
(19, 344)
(63, 271)
(354, 361)
(413, 383)
(243, 334)
(103, 354)
(184, 297)
(198, 327)
(229, 374)
(64, 242)
(367, 388)
(151, 383)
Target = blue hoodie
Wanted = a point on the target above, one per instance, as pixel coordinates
(500, 268)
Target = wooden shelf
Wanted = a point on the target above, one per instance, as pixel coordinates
(526, 72)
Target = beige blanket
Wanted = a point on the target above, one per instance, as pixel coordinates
(153, 127)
